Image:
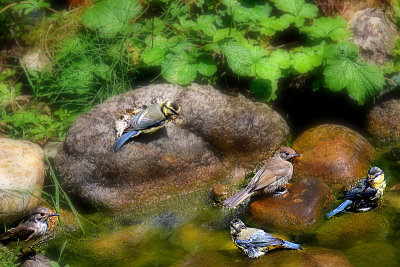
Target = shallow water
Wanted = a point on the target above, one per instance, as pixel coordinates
(192, 231)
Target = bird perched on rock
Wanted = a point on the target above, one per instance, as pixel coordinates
(255, 242)
(30, 232)
(274, 175)
(149, 120)
(365, 195)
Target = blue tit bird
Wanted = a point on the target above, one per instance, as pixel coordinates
(149, 120)
(255, 242)
(365, 195)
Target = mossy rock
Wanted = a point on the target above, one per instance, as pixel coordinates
(374, 254)
(350, 228)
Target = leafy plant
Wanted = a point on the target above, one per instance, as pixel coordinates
(36, 126)
(124, 40)
(344, 69)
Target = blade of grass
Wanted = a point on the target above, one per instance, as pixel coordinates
(57, 184)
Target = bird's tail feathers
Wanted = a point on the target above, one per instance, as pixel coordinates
(235, 200)
(338, 209)
(287, 244)
(120, 141)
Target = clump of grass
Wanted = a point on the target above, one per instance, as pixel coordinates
(8, 258)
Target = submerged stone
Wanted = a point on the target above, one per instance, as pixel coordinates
(21, 178)
(333, 154)
(348, 229)
(214, 134)
(374, 254)
(309, 257)
(298, 211)
(118, 245)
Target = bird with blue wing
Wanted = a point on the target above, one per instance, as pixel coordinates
(149, 120)
(256, 242)
(365, 195)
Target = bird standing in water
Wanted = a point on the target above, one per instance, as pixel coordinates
(274, 175)
(365, 195)
(255, 242)
(30, 232)
(149, 120)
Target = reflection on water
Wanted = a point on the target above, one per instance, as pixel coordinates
(190, 231)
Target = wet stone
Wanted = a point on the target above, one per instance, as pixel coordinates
(34, 259)
(374, 254)
(334, 154)
(384, 121)
(298, 211)
(21, 178)
(220, 192)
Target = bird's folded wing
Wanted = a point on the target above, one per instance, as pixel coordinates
(17, 233)
(142, 121)
(262, 239)
(274, 171)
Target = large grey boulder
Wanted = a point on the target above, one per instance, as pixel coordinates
(215, 134)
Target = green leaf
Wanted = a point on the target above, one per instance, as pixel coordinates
(361, 79)
(154, 54)
(178, 68)
(110, 17)
(205, 23)
(263, 89)
(238, 57)
(327, 27)
(206, 65)
(281, 58)
(272, 24)
(227, 33)
(305, 59)
(266, 68)
(297, 7)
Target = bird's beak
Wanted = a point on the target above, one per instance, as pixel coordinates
(296, 155)
(54, 214)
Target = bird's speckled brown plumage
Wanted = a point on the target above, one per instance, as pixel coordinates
(274, 175)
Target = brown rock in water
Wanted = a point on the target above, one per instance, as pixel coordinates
(333, 154)
(215, 134)
(298, 211)
(34, 259)
(220, 192)
(375, 33)
(308, 257)
(384, 121)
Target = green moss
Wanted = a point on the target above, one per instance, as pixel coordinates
(348, 229)
(373, 254)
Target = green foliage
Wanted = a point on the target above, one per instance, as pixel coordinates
(344, 69)
(333, 28)
(31, 5)
(37, 126)
(123, 40)
(8, 258)
(110, 17)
